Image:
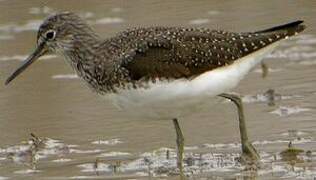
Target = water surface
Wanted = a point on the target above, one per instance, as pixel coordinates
(81, 127)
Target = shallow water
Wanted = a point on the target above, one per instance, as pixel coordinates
(84, 136)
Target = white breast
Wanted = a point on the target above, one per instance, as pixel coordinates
(166, 100)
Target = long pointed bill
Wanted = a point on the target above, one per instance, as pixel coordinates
(39, 51)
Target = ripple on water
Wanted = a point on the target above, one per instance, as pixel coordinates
(62, 160)
(6, 37)
(109, 20)
(92, 167)
(213, 12)
(89, 151)
(199, 21)
(114, 154)
(306, 39)
(299, 49)
(116, 9)
(29, 152)
(27, 171)
(30, 25)
(219, 146)
(65, 76)
(108, 142)
(269, 97)
(41, 10)
(294, 133)
(289, 110)
(163, 161)
(295, 141)
(84, 177)
(34, 24)
(86, 15)
(270, 70)
(23, 57)
(311, 62)
(299, 52)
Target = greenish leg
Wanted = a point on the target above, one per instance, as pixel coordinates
(265, 69)
(180, 147)
(248, 150)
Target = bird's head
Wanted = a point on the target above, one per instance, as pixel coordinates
(59, 33)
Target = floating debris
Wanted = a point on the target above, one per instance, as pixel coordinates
(199, 160)
(162, 162)
(30, 152)
(115, 166)
(291, 153)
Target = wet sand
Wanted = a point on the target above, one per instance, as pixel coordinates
(84, 136)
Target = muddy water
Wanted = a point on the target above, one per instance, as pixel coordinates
(77, 126)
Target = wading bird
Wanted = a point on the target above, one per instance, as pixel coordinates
(165, 71)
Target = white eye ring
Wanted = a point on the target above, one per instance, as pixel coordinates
(50, 35)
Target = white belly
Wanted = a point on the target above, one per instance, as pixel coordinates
(170, 99)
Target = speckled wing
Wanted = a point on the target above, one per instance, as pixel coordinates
(160, 52)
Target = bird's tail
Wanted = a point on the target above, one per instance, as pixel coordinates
(288, 29)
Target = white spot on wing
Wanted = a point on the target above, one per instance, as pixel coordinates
(157, 100)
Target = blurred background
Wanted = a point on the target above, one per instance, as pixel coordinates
(50, 101)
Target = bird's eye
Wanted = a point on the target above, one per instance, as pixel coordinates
(50, 35)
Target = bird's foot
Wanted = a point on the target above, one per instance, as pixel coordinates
(250, 157)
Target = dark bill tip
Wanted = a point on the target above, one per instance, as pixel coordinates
(39, 51)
